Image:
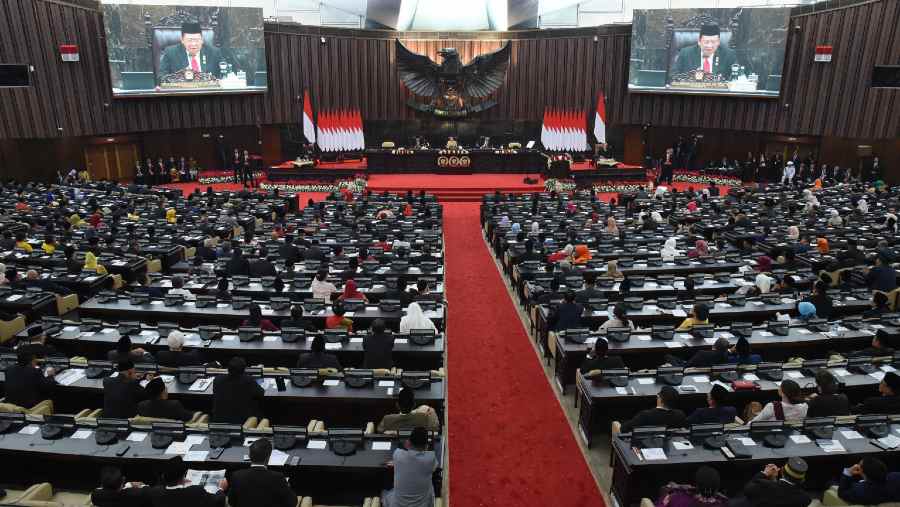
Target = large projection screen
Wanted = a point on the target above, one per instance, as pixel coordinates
(183, 50)
(708, 51)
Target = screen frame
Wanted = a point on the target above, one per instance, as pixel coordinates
(29, 69)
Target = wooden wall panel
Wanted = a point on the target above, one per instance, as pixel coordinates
(356, 69)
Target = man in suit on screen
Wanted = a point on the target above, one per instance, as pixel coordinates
(191, 53)
(709, 55)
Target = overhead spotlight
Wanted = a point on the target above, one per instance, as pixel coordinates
(596, 38)
(322, 40)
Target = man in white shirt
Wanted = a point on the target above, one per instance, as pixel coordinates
(178, 288)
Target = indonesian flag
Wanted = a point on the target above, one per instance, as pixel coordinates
(325, 131)
(360, 135)
(309, 127)
(600, 119)
(544, 132)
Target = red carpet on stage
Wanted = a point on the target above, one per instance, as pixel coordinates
(455, 187)
(510, 443)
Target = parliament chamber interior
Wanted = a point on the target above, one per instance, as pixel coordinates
(415, 253)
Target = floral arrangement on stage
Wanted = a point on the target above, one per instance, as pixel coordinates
(303, 162)
(226, 178)
(355, 185)
(453, 151)
(555, 185)
(505, 151)
(619, 188)
(403, 151)
(699, 178)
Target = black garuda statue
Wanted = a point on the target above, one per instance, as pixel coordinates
(453, 89)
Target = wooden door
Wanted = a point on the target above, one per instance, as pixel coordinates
(111, 161)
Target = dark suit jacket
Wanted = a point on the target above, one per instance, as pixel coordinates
(26, 386)
(121, 397)
(566, 316)
(828, 405)
(377, 351)
(655, 417)
(856, 491)
(589, 293)
(290, 253)
(313, 360)
(707, 358)
(602, 363)
(763, 492)
(688, 59)
(879, 405)
(237, 266)
(190, 496)
(131, 497)
(166, 409)
(262, 268)
(235, 399)
(710, 415)
(183, 358)
(175, 58)
(259, 487)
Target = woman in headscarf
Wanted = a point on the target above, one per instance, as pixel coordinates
(504, 221)
(561, 255)
(612, 269)
(668, 251)
(863, 206)
(515, 228)
(764, 283)
(75, 220)
(255, 319)
(3, 280)
(415, 319)
(807, 310)
(611, 226)
(535, 228)
(793, 233)
(835, 219)
(763, 264)
(692, 206)
(704, 492)
(170, 216)
(701, 249)
(656, 217)
(352, 292)
(582, 255)
(822, 245)
(91, 264)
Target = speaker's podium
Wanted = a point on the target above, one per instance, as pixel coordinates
(559, 166)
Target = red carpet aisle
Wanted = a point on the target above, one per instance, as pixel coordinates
(510, 443)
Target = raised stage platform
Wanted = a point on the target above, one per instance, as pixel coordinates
(460, 162)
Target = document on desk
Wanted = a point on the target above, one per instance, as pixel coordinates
(621, 390)
(209, 479)
(70, 376)
(800, 439)
(887, 368)
(751, 377)
(643, 337)
(316, 444)
(841, 372)
(831, 445)
(646, 380)
(890, 441)
(401, 341)
(278, 458)
(682, 445)
(851, 434)
(877, 375)
(136, 436)
(334, 346)
(793, 374)
(381, 445)
(360, 340)
(196, 455)
(179, 448)
(271, 338)
(674, 344)
(748, 442)
(229, 337)
(331, 382)
(201, 384)
(653, 454)
(700, 379)
(31, 429)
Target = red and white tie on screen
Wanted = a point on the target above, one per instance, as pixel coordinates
(195, 65)
(706, 66)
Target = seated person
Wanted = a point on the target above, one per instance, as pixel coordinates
(619, 318)
(258, 486)
(776, 487)
(175, 492)
(399, 293)
(409, 415)
(665, 413)
(878, 348)
(176, 356)
(423, 292)
(889, 400)
(125, 350)
(741, 353)
(567, 315)
(716, 411)
(337, 319)
(352, 292)
(820, 299)
(790, 407)
(415, 319)
(178, 288)
(35, 342)
(122, 393)
(597, 359)
(255, 319)
(317, 357)
(590, 291)
(699, 315)
(879, 306)
(868, 482)
(704, 493)
(236, 396)
(707, 358)
(297, 320)
(378, 347)
(827, 401)
(159, 405)
(414, 466)
(115, 492)
(25, 384)
(882, 276)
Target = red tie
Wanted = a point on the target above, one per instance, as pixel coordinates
(706, 67)
(196, 66)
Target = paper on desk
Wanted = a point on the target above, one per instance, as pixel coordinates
(793, 374)
(673, 344)
(700, 379)
(70, 376)
(653, 454)
(401, 341)
(180, 448)
(751, 377)
(278, 458)
(358, 340)
(248, 441)
(196, 455)
(887, 368)
(385, 383)
(14, 297)
(682, 445)
(136, 436)
(621, 390)
(381, 445)
(201, 384)
(646, 380)
(748, 442)
(643, 337)
(334, 346)
(209, 479)
(878, 375)
(331, 382)
(31, 429)
(156, 303)
(803, 330)
(766, 333)
(229, 337)
(108, 330)
(349, 314)
(222, 305)
(800, 439)
(890, 441)
(841, 372)
(831, 445)
(271, 338)
(684, 336)
(723, 384)
(69, 329)
(316, 444)
(709, 341)
(724, 334)
(851, 434)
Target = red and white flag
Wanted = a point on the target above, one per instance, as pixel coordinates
(600, 119)
(309, 127)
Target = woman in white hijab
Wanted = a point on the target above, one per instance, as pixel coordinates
(656, 217)
(863, 206)
(415, 319)
(3, 280)
(793, 233)
(504, 221)
(535, 228)
(835, 220)
(668, 251)
(764, 283)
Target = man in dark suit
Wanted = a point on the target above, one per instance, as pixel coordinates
(665, 413)
(159, 405)
(190, 53)
(236, 397)
(113, 493)
(590, 290)
(888, 402)
(257, 486)
(122, 393)
(26, 384)
(868, 482)
(262, 266)
(176, 356)
(238, 264)
(378, 347)
(709, 56)
(289, 252)
(176, 493)
(776, 487)
(708, 358)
